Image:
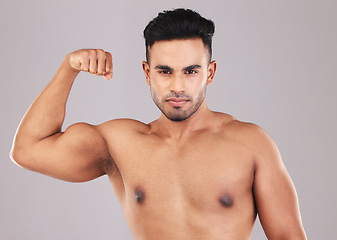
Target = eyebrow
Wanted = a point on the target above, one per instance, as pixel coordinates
(165, 67)
(191, 67)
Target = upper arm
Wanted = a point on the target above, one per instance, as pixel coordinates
(274, 192)
(77, 155)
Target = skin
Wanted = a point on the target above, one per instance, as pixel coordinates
(205, 177)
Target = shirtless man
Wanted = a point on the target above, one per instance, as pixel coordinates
(192, 173)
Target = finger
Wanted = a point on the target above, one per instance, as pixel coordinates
(93, 61)
(101, 56)
(108, 63)
(108, 76)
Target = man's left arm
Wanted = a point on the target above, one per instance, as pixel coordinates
(274, 192)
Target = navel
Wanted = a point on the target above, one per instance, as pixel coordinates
(139, 195)
(226, 200)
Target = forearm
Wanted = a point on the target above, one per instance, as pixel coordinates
(46, 114)
(40, 127)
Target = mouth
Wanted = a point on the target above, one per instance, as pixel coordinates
(177, 102)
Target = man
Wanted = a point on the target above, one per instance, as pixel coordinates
(192, 173)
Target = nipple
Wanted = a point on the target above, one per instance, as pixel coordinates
(139, 196)
(226, 200)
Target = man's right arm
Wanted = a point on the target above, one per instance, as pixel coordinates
(78, 154)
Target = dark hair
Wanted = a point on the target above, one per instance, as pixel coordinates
(179, 24)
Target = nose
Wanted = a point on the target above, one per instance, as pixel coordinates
(177, 83)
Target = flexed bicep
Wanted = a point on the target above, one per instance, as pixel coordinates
(77, 155)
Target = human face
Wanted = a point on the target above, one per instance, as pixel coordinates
(178, 73)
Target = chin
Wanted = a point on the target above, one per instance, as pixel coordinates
(178, 119)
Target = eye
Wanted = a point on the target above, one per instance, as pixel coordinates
(191, 72)
(165, 72)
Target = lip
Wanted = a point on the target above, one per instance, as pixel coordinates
(177, 102)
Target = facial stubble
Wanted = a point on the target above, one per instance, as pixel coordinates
(179, 114)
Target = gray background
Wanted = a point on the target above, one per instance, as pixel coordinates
(276, 68)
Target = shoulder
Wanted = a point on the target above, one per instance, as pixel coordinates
(231, 126)
(116, 125)
(245, 131)
(122, 127)
(124, 123)
(250, 136)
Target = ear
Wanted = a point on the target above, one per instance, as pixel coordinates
(211, 72)
(146, 69)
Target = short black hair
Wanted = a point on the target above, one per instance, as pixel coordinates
(179, 23)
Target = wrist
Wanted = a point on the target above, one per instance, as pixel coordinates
(66, 64)
(68, 69)
(65, 73)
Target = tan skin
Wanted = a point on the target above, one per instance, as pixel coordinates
(205, 177)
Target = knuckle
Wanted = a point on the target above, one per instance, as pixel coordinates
(100, 53)
(84, 54)
(109, 56)
(99, 50)
(92, 53)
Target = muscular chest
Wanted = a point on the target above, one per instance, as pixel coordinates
(201, 174)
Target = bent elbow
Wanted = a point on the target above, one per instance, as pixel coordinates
(13, 155)
(18, 157)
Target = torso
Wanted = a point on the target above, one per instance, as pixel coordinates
(195, 189)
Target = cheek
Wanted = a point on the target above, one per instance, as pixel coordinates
(196, 83)
(156, 89)
(159, 83)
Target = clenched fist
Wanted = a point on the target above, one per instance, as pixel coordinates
(94, 61)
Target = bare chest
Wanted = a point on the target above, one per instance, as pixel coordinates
(203, 175)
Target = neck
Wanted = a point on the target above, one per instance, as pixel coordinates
(179, 130)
